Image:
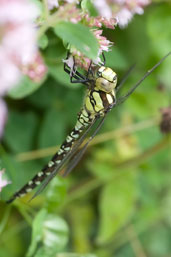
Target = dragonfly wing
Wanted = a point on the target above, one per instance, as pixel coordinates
(80, 152)
(67, 157)
(123, 98)
(125, 76)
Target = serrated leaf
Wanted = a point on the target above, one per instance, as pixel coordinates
(78, 36)
(116, 204)
(24, 88)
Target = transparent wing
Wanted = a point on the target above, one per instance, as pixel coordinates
(123, 98)
(80, 152)
(67, 157)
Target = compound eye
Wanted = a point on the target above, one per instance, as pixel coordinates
(99, 74)
(115, 78)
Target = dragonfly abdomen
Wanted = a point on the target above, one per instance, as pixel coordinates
(84, 119)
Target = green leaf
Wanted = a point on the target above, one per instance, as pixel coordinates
(53, 127)
(43, 42)
(24, 88)
(116, 205)
(61, 77)
(55, 194)
(155, 27)
(49, 230)
(75, 255)
(116, 59)
(20, 130)
(37, 232)
(78, 36)
(88, 6)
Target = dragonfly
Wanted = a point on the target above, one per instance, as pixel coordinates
(100, 99)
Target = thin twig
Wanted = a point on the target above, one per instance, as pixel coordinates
(41, 153)
(135, 242)
(94, 183)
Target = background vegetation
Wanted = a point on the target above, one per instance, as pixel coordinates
(117, 201)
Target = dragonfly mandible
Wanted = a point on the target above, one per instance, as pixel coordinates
(101, 97)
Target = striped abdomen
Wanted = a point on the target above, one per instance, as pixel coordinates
(84, 119)
(96, 104)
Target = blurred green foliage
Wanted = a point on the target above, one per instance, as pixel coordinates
(116, 202)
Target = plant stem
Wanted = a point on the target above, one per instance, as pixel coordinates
(98, 139)
(94, 183)
(5, 219)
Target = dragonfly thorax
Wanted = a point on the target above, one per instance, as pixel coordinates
(106, 79)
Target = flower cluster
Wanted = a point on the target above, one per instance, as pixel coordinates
(36, 69)
(17, 45)
(123, 10)
(81, 60)
(54, 3)
(95, 24)
(18, 40)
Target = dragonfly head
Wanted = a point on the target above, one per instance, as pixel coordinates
(106, 79)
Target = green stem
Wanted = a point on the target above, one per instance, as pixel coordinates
(46, 10)
(25, 214)
(5, 219)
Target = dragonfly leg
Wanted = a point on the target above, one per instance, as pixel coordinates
(104, 59)
(74, 74)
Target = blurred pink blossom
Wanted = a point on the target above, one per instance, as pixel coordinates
(18, 40)
(103, 8)
(69, 12)
(3, 116)
(54, 3)
(122, 10)
(36, 70)
(99, 21)
(3, 181)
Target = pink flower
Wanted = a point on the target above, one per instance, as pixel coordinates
(3, 182)
(69, 12)
(84, 62)
(36, 70)
(53, 4)
(99, 21)
(3, 116)
(123, 10)
(7, 67)
(18, 40)
(103, 8)
(124, 16)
